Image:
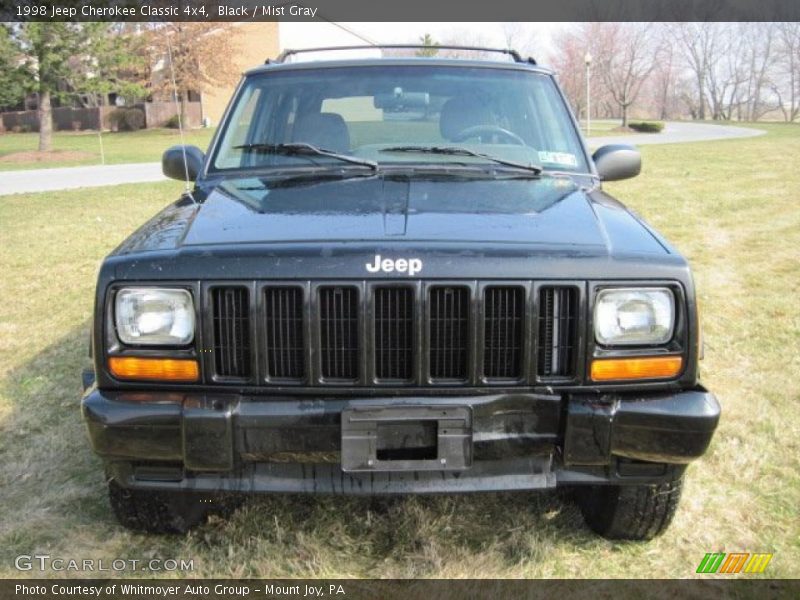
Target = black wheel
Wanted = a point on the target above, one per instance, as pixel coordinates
(629, 512)
(162, 512)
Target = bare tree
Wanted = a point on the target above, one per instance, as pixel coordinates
(627, 57)
(567, 61)
(726, 74)
(718, 70)
(732, 65)
(518, 37)
(664, 79)
(686, 94)
(739, 72)
(466, 37)
(761, 45)
(700, 48)
(787, 84)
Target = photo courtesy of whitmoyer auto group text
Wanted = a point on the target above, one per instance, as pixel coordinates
(361, 300)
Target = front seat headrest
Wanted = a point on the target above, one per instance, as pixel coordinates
(324, 130)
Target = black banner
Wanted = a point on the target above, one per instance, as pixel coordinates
(387, 589)
(408, 10)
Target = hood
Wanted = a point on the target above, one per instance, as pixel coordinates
(549, 212)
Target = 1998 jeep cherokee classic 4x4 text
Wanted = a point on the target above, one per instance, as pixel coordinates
(397, 275)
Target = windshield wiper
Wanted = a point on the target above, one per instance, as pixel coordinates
(459, 151)
(303, 149)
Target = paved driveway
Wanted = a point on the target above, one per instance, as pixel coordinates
(45, 180)
(65, 178)
(678, 133)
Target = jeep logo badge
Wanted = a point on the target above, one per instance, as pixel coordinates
(411, 266)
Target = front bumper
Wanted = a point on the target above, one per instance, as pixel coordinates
(514, 441)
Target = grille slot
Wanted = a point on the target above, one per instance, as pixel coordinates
(448, 328)
(394, 333)
(558, 316)
(231, 316)
(285, 342)
(338, 315)
(504, 314)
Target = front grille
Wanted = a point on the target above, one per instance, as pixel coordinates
(558, 322)
(338, 325)
(394, 333)
(231, 316)
(285, 342)
(403, 333)
(449, 332)
(504, 314)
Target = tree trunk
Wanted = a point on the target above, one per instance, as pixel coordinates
(45, 122)
(624, 115)
(184, 108)
(664, 100)
(701, 96)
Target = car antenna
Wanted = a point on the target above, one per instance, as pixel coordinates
(188, 186)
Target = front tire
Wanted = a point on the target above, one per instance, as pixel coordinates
(630, 512)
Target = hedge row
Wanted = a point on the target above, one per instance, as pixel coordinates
(647, 126)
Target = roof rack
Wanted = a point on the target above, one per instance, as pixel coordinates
(512, 53)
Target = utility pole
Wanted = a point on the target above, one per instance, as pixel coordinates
(587, 58)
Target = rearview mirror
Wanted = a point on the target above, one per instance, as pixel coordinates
(400, 100)
(172, 162)
(617, 161)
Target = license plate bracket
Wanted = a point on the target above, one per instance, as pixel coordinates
(401, 438)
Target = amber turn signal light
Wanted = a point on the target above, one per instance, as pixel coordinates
(651, 367)
(153, 369)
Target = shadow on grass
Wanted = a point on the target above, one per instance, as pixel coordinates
(419, 534)
(50, 481)
(53, 493)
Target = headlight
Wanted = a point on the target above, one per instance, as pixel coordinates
(634, 316)
(154, 316)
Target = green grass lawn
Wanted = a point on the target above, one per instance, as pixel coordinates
(83, 147)
(738, 224)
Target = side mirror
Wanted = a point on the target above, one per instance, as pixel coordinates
(172, 162)
(617, 161)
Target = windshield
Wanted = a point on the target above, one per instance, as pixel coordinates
(400, 115)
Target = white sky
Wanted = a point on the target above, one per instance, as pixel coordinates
(534, 38)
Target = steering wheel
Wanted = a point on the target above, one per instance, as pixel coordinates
(478, 131)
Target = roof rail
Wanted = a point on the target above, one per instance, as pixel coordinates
(512, 53)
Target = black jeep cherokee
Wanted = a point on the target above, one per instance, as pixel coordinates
(397, 275)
